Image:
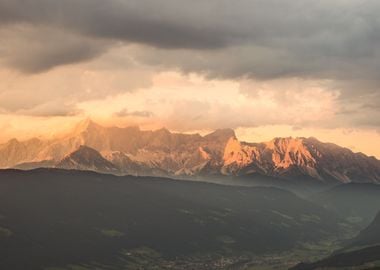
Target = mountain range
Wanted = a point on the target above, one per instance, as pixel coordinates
(130, 150)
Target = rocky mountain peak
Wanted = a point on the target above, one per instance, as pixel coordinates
(85, 152)
(13, 141)
(86, 158)
(222, 134)
(163, 153)
(286, 144)
(86, 125)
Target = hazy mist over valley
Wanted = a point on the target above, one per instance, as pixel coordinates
(189, 135)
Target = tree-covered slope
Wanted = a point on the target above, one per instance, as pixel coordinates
(54, 218)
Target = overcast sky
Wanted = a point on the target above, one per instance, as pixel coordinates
(266, 68)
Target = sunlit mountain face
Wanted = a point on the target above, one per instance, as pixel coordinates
(160, 152)
(213, 134)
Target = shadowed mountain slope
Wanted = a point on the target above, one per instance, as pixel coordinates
(362, 252)
(53, 217)
(357, 203)
(86, 158)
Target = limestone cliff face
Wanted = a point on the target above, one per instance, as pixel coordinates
(134, 151)
(300, 157)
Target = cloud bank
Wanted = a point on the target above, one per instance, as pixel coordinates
(336, 43)
(263, 39)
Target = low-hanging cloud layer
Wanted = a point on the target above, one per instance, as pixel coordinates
(298, 62)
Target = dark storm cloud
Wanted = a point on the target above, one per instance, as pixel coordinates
(32, 49)
(257, 38)
(168, 24)
(337, 40)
